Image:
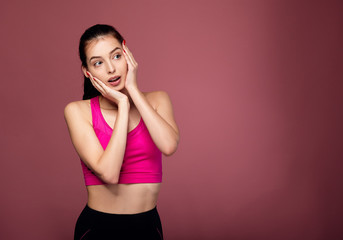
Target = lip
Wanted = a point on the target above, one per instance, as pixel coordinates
(113, 78)
(116, 82)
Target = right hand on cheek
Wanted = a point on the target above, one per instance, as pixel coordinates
(107, 92)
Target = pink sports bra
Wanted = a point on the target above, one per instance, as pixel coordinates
(142, 161)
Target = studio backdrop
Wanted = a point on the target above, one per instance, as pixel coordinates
(256, 88)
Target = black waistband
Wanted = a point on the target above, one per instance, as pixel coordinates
(96, 212)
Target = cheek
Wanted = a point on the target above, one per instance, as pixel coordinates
(101, 76)
(124, 67)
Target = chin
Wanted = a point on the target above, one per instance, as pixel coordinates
(120, 87)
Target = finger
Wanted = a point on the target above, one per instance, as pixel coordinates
(128, 60)
(104, 89)
(91, 78)
(123, 45)
(102, 85)
(95, 82)
(107, 91)
(129, 54)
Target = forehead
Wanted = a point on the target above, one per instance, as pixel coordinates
(101, 46)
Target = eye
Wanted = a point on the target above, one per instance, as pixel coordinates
(97, 63)
(117, 56)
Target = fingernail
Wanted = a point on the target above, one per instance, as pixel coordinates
(124, 44)
(88, 74)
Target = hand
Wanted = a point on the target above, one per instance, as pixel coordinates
(107, 92)
(131, 77)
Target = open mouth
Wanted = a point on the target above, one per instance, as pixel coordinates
(114, 79)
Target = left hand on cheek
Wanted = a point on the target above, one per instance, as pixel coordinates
(131, 77)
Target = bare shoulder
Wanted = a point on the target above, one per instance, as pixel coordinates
(161, 102)
(77, 110)
(155, 98)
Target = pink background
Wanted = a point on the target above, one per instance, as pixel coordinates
(257, 92)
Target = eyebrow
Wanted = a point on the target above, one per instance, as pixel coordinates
(108, 54)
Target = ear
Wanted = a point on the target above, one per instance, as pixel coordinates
(84, 70)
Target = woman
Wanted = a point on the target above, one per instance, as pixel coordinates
(120, 134)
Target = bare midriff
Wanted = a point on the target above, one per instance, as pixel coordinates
(123, 198)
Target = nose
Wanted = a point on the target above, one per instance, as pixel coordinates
(110, 67)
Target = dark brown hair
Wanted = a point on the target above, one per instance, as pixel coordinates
(98, 30)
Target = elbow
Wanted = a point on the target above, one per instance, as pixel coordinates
(170, 146)
(113, 181)
(170, 149)
(110, 178)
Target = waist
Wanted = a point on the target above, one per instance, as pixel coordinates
(123, 198)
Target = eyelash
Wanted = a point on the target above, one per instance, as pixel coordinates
(96, 63)
(118, 55)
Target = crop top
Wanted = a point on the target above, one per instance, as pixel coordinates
(142, 161)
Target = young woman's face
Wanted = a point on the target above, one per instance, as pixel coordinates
(105, 60)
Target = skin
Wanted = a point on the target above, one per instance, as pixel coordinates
(122, 107)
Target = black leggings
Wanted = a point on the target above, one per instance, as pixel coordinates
(93, 224)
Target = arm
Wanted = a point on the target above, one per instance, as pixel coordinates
(106, 164)
(159, 120)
